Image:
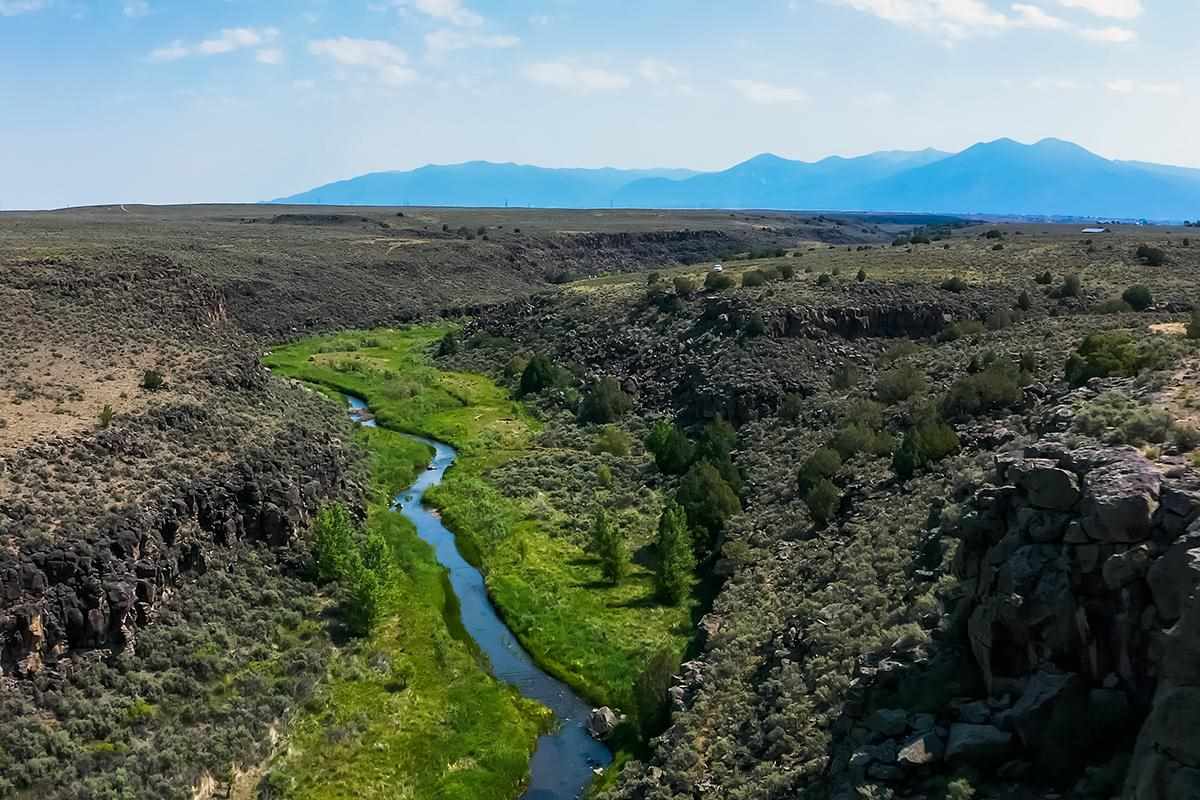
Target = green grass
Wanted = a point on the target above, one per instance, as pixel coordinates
(411, 711)
(551, 593)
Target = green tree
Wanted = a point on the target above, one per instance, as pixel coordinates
(1138, 297)
(822, 500)
(676, 559)
(822, 464)
(650, 691)
(540, 373)
(708, 500)
(606, 402)
(1024, 301)
(609, 546)
(673, 451)
(333, 543)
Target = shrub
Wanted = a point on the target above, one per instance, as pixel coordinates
(718, 281)
(612, 440)
(1113, 305)
(106, 416)
(792, 405)
(822, 500)
(998, 246)
(856, 437)
(787, 271)
(673, 451)
(821, 465)
(606, 402)
(1193, 326)
(650, 692)
(954, 284)
(928, 441)
(998, 320)
(824, 279)
(449, 345)
(707, 499)
(899, 384)
(1024, 301)
(753, 278)
(1071, 286)
(676, 559)
(1045, 278)
(604, 476)
(540, 374)
(153, 380)
(996, 387)
(1115, 353)
(1121, 420)
(1138, 297)
(360, 564)
(1152, 256)
(960, 329)
(960, 789)
(653, 279)
(901, 349)
(757, 325)
(994, 234)
(684, 286)
(609, 546)
(862, 275)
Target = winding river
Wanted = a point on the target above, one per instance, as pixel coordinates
(565, 759)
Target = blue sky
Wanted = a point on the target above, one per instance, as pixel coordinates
(241, 100)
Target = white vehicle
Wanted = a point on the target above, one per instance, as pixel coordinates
(718, 268)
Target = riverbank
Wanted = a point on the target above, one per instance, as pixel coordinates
(502, 500)
(410, 711)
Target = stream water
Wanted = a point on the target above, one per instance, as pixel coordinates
(564, 761)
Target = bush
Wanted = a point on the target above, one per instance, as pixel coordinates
(753, 278)
(673, 451)
(606, 402)
(821, 465)
(609, 546)
(1045, 278)
(650, 692)
(1113, 305)
(1024, 301)
(1152, 256)
(684, 286)
(1193, 326)
(928, 441)
(998, 246)
(822, 501)
(792, 405)
(1072, 285)
(824, 279)
(540, 374)
(857, 437)
(954, 284)
(994, 234)
(960, 329)
(899, 384)
(1120, 420)
(1116, 354)
(718, 281)
(756, 325)
(996, 387)
(360, 564)
(862, 275)
(153, 380)
(1138, 297)
(787, 271)
(998, 320)
(708, 501)
(614, 441)
(901, 349)
(846, 375)
(676, 559)
(106, 416)
(449, 345)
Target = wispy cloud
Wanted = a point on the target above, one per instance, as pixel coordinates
(10, 8)
(227, 41)
(1126, 86)
(453, 12)
(655, 71)
(768, 94)
(954, 20)
(1116, 9)
(269, 55)
(443, 41)
(383, 61)
(572, 78)
(135, 8)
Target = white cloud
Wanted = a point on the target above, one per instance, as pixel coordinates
(269, 55)
(449, 11)
(955, 20)
(1044, 84)
(1110, 35)
(135, 8)
(10, 8)
(1034, 17)
(226, 41)
(443, 41)
(655, 71)
(1126, 86)
(386, 62)
(569, 77)
(768, 93)
(1116, 9)
(540, 20)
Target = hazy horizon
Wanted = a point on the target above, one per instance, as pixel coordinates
(159, 102)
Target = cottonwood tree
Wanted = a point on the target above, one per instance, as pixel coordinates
(676, 561)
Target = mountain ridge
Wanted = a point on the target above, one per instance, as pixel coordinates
(1051, 177)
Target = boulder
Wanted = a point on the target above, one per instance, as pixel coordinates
(978, 745)
(1045, 484)
(1122, 569)
(888, 721)
(924, 748)
(1120, 498)
(602, 722)
(1174, 576)
(1166, 759)
(1051, 719)
(976, 713)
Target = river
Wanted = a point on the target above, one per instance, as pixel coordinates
(565, 759)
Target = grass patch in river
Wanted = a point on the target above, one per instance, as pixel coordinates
(551, 593)
(410, 711)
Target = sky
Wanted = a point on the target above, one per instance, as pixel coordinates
(169, 101)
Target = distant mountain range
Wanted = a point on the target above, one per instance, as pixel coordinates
(1003, 177)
